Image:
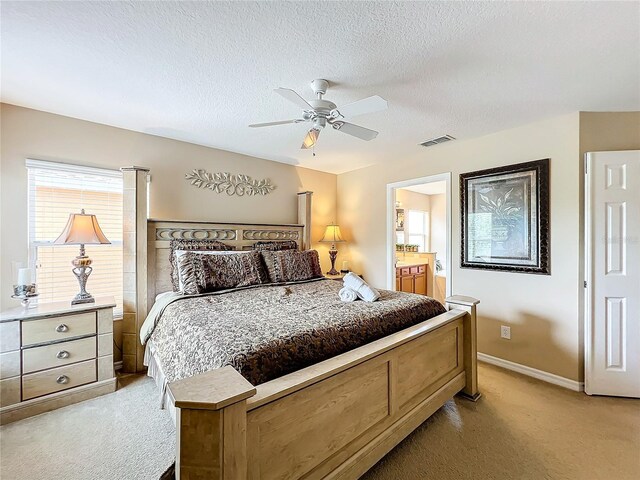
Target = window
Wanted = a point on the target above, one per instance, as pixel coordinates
(55, 191)
(418, 226)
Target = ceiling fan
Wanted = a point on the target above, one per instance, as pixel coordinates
(321, 112)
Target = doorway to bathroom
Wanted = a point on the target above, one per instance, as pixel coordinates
(419, 236)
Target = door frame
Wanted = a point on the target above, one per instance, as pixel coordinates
(588, 270)
(391, 222)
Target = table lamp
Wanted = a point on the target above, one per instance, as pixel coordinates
(82, 229)
(332, 235)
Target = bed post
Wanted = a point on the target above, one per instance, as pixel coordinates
(304, 218)
(470, 346)
(211, 425)
(134, 247)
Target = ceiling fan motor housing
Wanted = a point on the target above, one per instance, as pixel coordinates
(322, 108)
(319, 86)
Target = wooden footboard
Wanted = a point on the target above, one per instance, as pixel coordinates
(334, 419)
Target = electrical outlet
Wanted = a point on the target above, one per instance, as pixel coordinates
(505, 332)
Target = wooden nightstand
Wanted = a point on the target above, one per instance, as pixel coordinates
(54, 355)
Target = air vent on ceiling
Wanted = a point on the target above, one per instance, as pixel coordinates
(437, 140)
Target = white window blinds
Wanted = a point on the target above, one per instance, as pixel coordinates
(55, 191)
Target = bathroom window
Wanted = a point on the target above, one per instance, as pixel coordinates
(418, 229)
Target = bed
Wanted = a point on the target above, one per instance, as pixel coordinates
(266, 332)
(314, 417)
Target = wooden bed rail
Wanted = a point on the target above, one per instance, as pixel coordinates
(334, 419)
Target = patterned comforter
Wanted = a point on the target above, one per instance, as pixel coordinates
(265, 332)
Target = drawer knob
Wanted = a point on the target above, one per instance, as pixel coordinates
(62, 379)
(62, 328)
(62, 354)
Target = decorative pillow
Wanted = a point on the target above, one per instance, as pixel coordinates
(292, 265)
(179, 253)
(207, 273)
(276, 245)
(190, 245)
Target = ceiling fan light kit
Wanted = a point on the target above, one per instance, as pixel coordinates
(321, 112)
(311, 138)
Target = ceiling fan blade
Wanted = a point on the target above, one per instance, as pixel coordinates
(283, 122)
(311, 139)
(293, 97)
(355, 130)
(361, 107)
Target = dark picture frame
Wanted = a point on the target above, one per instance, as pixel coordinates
(504, 214)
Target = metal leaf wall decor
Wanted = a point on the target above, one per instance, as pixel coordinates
(224, 182)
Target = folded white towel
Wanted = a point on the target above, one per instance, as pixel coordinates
(347, 295)
(362, 288)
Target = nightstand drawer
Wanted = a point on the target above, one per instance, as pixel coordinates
(58, 354)
(56, 379)
(9, 391)
(58, 328)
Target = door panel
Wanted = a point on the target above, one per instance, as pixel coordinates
(407, 283)
(420, 284)
(612, 341)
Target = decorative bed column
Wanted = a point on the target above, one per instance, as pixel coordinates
(304, 218)
(134, 252)
(470, 347)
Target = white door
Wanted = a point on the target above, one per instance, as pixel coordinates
(612, 340)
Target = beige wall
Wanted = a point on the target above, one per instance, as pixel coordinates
(38, 135)
(544, 312)
(541, 310)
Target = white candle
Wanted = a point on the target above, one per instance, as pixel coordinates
(345, 265)
(24, 276)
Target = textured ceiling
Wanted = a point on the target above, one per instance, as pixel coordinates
(201, 72)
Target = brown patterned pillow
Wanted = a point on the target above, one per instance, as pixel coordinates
(207, 273)
(185, 244)
(276, 245)
(292, 265)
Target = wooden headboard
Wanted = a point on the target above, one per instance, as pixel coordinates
(241, 236)
(146, 269)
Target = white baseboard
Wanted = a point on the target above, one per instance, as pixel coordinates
(533, 372)
(117, 365)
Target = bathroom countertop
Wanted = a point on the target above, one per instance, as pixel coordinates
(411, 264)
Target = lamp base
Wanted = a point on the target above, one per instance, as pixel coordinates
(82, 271)
(333, 253)
(83, 299)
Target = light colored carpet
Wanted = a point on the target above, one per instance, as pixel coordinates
(122, 435)
(521, 429)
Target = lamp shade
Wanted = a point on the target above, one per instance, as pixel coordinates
(81, 229)
(332, 234)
